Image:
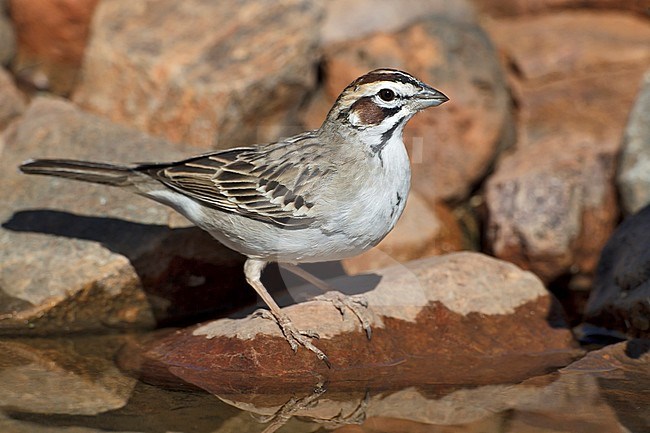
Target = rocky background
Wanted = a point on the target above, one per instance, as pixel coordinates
(541, 159)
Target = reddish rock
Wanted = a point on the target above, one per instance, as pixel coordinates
(80, 257)
(568, 44)
(431, 319)
(12, 103)
(451, 149)
(422, 231)
(526, 7)
(552, 203)
(620, 298)
(51, 37)
(211, 74)
(601, 392)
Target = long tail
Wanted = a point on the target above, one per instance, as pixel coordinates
(95, 172)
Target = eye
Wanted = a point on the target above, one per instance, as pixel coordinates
(387, 95)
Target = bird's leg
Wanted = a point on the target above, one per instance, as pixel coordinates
(292, 408)
(357, 304)
(253, 270)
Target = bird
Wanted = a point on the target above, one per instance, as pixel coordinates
(322, 195)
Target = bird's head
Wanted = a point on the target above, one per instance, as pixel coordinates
(380, 103)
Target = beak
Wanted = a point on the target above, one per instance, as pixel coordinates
(430, 97)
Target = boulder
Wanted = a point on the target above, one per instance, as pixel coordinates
(620, 298)
(451, 312)
(552, 202)
(80, 257)
(52, 37)
(633, 175)
(211, 74)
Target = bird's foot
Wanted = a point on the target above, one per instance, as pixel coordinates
(357, 304)
(294, 336)
(292, 408)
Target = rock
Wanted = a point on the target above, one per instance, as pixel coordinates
(601, 392)
(620, 298)
(7, 36)
(79, 257)
(56, 385)
(52, 37)
(32, 369)
(345, 20)
(633, 176)
(422, 231)
(212, 74)
(449, 312)
(622, 372)
(452, 147)
(568, 44)
(12, 104)
(552, 203)
(526, 7)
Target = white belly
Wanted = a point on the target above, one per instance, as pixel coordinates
(354, 217)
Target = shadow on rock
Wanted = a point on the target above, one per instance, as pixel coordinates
(186, 274)
(183, 271)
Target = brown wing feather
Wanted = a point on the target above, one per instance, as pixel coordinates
(255, 182)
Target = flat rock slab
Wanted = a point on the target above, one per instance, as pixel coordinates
(212, 74)
(78, 257)
(432, 319)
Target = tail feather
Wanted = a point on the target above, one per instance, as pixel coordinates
(95, 172)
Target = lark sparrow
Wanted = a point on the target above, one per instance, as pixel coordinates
(322, 195)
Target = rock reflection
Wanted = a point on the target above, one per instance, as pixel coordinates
(57, 376)
(65, 385)
(587, 396)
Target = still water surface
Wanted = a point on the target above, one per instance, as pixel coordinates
(75, 385)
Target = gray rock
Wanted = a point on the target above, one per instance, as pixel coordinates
(212, 74)
(634, 164)
(76, 256)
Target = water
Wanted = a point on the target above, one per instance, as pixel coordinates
(80, 385)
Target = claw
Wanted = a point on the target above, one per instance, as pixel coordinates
(294, 336)
(357, 304)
